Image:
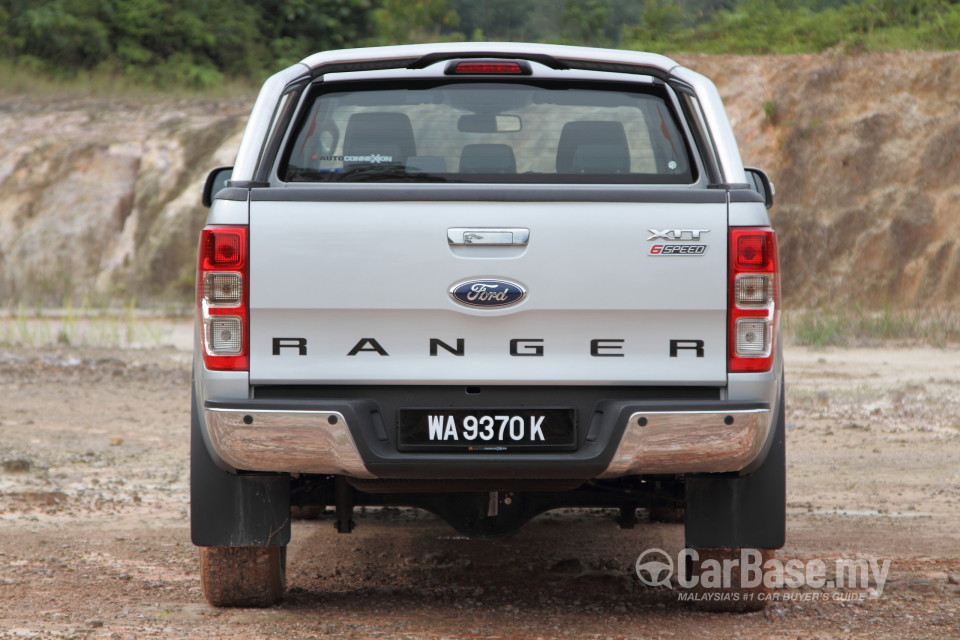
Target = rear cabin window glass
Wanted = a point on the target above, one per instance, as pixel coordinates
(487, 132)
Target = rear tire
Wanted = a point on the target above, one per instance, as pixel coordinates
(243, 576)
(667, 512)
(727, 514)
(733, 598)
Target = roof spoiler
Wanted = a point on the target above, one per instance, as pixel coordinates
(551, 62)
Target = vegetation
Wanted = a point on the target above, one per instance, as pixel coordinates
(90, 326)
(205, 43)
(198, 43)
(853, 327)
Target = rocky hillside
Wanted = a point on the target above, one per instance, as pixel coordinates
(100, 200)
(865, 154)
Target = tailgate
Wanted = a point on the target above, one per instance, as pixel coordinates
(360, 293)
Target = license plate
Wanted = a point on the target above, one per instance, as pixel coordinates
(487, 430)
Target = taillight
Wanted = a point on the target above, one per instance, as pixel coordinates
(222, 297)
(754, 298)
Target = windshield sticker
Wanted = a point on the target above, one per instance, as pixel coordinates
(374, 158)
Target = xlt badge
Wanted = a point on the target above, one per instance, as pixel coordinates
(679, 242)
(677, 234)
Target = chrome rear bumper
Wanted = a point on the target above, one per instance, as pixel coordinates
(653, 442)
(290, 441)
(689, 442)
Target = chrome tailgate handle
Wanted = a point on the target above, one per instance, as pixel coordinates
(485, 236)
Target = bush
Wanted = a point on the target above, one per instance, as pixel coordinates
(184, 42)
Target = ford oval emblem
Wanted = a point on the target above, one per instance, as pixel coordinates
(488, 293)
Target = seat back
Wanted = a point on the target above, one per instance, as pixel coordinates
(593, 147)
(487, 158)
(378, 138)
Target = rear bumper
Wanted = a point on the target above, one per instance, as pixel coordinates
(291, 441)
(690, 442)
(622, 438)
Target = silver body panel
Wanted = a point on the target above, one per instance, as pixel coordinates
(384, 270)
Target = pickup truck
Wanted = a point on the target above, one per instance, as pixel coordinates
(487, 280)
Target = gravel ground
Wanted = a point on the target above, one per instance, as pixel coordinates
(94, 537)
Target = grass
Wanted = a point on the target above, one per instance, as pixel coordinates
(770, 111)
(126, 327)
(853, 327)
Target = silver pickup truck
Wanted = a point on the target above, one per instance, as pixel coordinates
(486, 280)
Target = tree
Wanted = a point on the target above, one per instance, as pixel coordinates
(406, 21)
(294, 29)
(505, 20)
(658, 19)
(69, 31)
(192, 42)
(588, 21)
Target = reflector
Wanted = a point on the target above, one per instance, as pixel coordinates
(225, 335)
(751, 337)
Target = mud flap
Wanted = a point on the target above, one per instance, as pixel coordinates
(229, 510)
(741, 511)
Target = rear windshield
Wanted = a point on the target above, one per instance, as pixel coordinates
(488, 132)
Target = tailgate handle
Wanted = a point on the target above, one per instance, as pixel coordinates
(486, 236)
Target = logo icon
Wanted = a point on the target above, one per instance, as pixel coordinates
(655, 568)
(488, 293)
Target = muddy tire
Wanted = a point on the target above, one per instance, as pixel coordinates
(669, 513)
(243, 576)
(717, 597)
(308, 512)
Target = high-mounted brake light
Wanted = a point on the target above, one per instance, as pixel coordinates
(754, 299)
(222, 297)
(489, 67)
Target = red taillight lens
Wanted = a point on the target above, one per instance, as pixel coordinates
(222, 248)
(753, 252)
(754, 299)
(222, 298)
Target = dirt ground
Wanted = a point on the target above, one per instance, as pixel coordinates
(94, 539)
